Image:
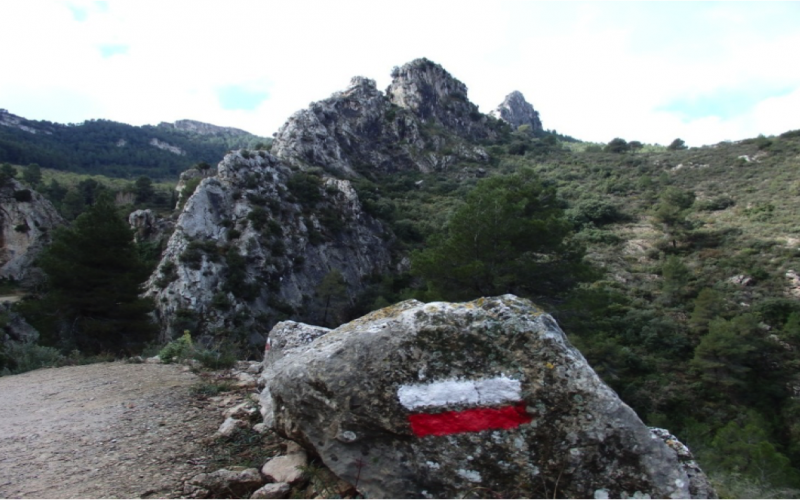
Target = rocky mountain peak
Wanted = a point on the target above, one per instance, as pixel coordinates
(362, 129)
(432, 94)
(516, 111)
(202, 128)
(423, 87)
(361, 87)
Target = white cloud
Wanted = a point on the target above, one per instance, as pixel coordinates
(593, 70)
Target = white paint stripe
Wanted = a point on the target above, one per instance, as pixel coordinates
(463, 392)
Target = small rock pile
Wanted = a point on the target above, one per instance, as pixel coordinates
(289, 474)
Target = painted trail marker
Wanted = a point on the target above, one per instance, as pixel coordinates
(497, 404)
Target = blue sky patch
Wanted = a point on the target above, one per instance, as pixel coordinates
(78, 13)
(113, 50)
(237, 97)
(723, 103)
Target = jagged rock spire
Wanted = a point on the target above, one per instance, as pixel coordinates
(516, 111)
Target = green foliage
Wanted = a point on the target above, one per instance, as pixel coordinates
(217, 358)
(236, 280)
(617, 145)
(32, 174)
(178, 350)
(196, 250)
(23, 195)
(258, 217)
(717, 203)
(306, 187)
(20, 357)
(676, 279)
(183, 349)
(184, 320)
(708, 305)
(743, 447)
(723, 354)
(655, 327)
(596, 211)
(332, 295)
(677, 145)
(115, 149)
(510, 236)
(94, 272)
(188, 189)
(7, 172)
(672, 213)
(143, 189)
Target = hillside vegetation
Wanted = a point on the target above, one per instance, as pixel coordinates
(675, 271)
(693, 315)
(105, 147)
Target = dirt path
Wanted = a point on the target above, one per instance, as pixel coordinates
(109, 430)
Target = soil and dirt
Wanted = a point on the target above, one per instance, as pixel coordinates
(108, 430)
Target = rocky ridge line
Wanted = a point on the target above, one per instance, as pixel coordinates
(516, 111)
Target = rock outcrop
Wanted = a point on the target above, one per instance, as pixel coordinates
(516, 111)
(254, 242)
(424, 122)
(149, 227)
(196, 127)
(27, 221)
(433, 95)
(165, 146)
(443, 400)
(256, 236)
(13, 121)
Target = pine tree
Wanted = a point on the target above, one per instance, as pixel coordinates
(332, 294)
(511, 236)
(94, 275)
(723, 356)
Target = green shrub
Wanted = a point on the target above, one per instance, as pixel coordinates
(596, 211)
(23, 195)
(177, 350)
(305, 187)
(221, 302)
(193, 255)
(258, 218)
(188, 190)
(717, 203)
(19, 357)
(215, 359)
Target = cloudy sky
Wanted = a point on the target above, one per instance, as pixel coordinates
(705, 72)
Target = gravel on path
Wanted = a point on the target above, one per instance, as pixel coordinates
(107, 430)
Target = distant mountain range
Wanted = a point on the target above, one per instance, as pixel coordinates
(118, 149)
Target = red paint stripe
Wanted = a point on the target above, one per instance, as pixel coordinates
(473, 420)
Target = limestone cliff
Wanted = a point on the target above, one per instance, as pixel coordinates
(516, 111)
(253, 244)
(423, 122)
(434, 96)
(256, 238)
(27, 220)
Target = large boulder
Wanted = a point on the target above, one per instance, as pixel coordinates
(446, 400)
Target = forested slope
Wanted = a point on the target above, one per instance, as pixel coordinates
(116, 149)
